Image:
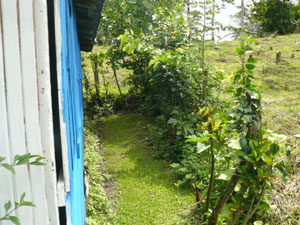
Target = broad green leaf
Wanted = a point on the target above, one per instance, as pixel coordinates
(230, 89)
(250, 66)
(267, 160)
(23, 159)
(152, 62)
(201, 147)
(194, 139)
(37, 163)
(252, 60)
(15, 220)
(188, 176)
(274, 148)
(226, 212)
(9, 167)
(240, 51)
(248, 48)
(252, 41)
(235, 144)
(22, 197)
(172, 121)
(175, 165)
(16, 158)
(248, 118)
(183, 169)
(245, 37)
(237, 188)
(2, 159)
(237, 77)
(28, 204)
(7, 206)
(226, 175)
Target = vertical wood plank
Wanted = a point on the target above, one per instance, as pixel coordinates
(45, 106)
(15, 113)
(31, 113)
(6, 185)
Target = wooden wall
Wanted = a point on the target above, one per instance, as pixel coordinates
(25, 109)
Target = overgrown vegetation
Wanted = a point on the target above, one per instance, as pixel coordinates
(208, 123)
(98, 205)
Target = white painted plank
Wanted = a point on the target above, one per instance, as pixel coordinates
(15, 103)
(45, 106)
(6, 185)
(32, 128)
(64, 146)
(61, 195)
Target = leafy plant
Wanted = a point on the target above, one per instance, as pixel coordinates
(258, 152)
(9, 209)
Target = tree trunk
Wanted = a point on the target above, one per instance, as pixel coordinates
(116, 78)
(212, 176)
(105, 84)
(223, 199)
(96, 81)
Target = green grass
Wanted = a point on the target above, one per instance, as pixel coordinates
(281, 98)
(144, 187)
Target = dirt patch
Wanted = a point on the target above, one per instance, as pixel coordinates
(224, 60)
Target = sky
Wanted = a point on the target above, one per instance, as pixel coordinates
(226, 15)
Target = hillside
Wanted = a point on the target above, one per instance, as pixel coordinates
(281, 96)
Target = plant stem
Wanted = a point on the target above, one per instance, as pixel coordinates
(6, 217)
(252, 211)
(223, 199)
(116, 78)
(96, 80)
(105, 84)
(235, 218)
(212, 176)
(205, 82)
(213, 22)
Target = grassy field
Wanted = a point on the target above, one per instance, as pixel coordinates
(281, 97)
(143, 190)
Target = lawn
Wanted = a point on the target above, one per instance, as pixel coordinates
(144, 190)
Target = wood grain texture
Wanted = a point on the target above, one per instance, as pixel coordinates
(15, 104)
(31, 112)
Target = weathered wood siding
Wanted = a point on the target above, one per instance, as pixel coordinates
(25, 109)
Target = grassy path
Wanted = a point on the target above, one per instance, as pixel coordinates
(144, 191)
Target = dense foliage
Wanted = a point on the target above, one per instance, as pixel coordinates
(275, 16)
(218, 148)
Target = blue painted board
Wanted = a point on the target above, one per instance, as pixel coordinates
(73, 111)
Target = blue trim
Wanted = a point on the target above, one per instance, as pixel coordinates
(73, 111)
